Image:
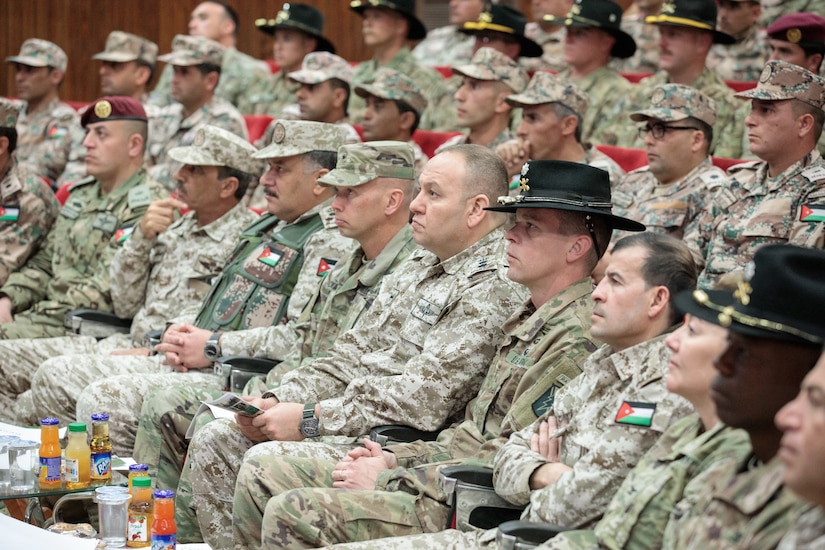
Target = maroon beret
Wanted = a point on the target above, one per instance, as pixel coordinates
(804, 29)
(116, 107)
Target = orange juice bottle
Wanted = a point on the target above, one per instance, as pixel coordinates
(78, 458)
(50, 454)
(164, 529)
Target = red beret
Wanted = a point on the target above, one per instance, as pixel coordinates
(117, 107)
(804, 29)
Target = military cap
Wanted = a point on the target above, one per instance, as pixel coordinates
(780, 298)
(804, 29)
(548, 88)
(673, 102)
(782, 80)
(562, 185)
(215, 146)
(40, 53)
(188, 51)
(490, 64)
(507, 20)
(319, 67)
(417, 31)
(114, 107)
(695, 14)
(122, 47)
(9, 111)
(299, 17)
(360, 163)
(599, 14)
(296, 137)
(392, 85)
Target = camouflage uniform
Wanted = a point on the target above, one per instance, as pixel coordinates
(268, 97)
(605, 88)
(808, 532)
(431, 333)
(240, 74)
(774, 9)
(504, 136)
(444, 47)
(685, 455)
(646, 58)
(743, 60)
(543, 349)
(553, 45)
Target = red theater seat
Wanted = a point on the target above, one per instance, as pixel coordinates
(256, 125)
(626, 157)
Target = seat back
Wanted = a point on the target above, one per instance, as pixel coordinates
(628, 158)
(256, 125)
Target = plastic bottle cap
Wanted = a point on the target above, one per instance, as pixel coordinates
(49, 421)
(138, 467)
(164, 493)
(77, 427)
(100, 416)
(143, 481)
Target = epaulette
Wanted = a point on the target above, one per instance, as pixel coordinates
(80, 183)
(750, 165)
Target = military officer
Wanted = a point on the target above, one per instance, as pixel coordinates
(128, 65)
(743, 60)
(447, 45)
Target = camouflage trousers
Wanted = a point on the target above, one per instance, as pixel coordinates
(444, 540)
(286, 501)
(28, 324)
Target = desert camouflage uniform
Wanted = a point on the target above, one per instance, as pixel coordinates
(600, 450)
(553, 45)
(267, 295)
(240, 73)
(48, 139)
(646, 58)
(344, 295)
(606, 88)
(503, 137)
(444, 47)
(440, 114)
(807, 533)
(542, 350)
(29, 209)
(774, 9)
(431, 333)
(755, 210)
(685, 456)
(172, 130)
(749, 509)
(597, 159)
(268, 97)
(743, 60)
(152, 281)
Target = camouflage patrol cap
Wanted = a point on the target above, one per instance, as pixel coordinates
(490, 64)
(803, 29)
(114, 107)
(392, 85)
(9, 111)
(547, 88)
(672, 102)
(122, 47)
(782, 80)
(296, 137)
(359, 163)
(321, 66)
(188, 51)
(40, 53)
(215, 146)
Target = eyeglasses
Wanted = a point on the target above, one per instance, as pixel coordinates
(659, 130)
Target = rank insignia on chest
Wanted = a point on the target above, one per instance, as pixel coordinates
(122, 235)
(325, 266)
(637, 414)
(9, 214)
(270, 257)
(812, 213)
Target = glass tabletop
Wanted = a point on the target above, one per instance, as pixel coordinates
(7, 492)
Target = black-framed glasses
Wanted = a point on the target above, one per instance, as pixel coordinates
(659, 130)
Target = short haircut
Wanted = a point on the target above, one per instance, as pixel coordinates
(206, 68)
(706, 129)
(561, 111)
(668, 263)
(337, 83)
(319, 160)
(813, 49)
(139, 127)
(404, 107)
(573, 223)
(800, 108)
(11, 134)
(230, 13)
(151, 68)
(244, 179)
(485, 172)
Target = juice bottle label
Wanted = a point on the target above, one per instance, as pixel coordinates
(138, 528)
(101, 465)
(164, 542)
(50, 469)
(72, 470)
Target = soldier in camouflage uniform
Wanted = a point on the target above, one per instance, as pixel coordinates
(772, 346)
(567, 465)
(546, 343)
(772, 10)
(348, 290)
(743, 60)
(547, 30)
(296, 30)
(71, 270)
(274, 270)
(646, 58)
(447, 46)
(480, 101)
(416, 357)
(502, 27)
(217, 20)
(128, 66)
(49, 136)
(28, 207)
(779, 198)
(684, 24)
(390, 50)
(197, 66)
(550, 128)
(165, 267)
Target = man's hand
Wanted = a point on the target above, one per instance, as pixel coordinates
(361, 467)
(160, 215)
(514, 153)
(245, 422)
(278, 423)
(6, 310)
(548, 447)
(183, 347)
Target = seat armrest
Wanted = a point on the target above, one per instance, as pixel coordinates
(237, 370)
(520, 535)
(474, 502)
(386, 435)
(95, 323)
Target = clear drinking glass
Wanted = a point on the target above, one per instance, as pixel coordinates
(113, 511)
(24, 464)
(5, 475)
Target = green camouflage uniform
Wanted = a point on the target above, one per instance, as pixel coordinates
(685, 456)
(808, 532)
(268, 97)
(444, 47)
(431, 333)
(743, 60)
(646, 58)
(48, 139)
(774, 9)
(553, 45)
(543, 349)
(504, 136)
(605, 88)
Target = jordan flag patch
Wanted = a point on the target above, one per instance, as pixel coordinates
(324, 266)
(270, 257)
(638, 414)
(812, 213)
(122, 235)
(9, 214)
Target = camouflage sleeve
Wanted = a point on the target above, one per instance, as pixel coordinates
(75, 169)
(698, 232)
(809, 233)
(50, 157)
(274, 342)
(515, 463)
(231, 121)
(440, 114)
(129, 273)
(161, 95)
(28, 285)
(730, 124)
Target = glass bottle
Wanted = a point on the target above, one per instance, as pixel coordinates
(101, 447)
(50, 454)
(78, 455)
(164, 529)
(137, 470)
(140, 514)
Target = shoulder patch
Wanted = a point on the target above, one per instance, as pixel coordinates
(9, 213)
(56, 131)
(636, 413)
(545, 401)
(325, 265)
(812, 213)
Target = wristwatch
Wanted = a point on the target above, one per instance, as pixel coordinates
(309, 422)
(212, 348)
